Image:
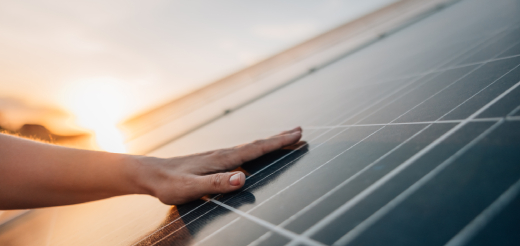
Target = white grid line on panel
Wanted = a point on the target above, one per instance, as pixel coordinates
(494, 119)
(348, 180)
(511, 114)
(271, 227)
(360, 228)
(422, 75)
(477, 224)
(401, 197)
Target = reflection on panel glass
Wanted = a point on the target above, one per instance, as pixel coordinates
(185, 221)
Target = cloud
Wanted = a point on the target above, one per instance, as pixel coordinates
(14, 113)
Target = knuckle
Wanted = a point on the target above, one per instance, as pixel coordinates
(259, 147)
(228, 158)
(187, 182)
(220, 156)
(216, 180)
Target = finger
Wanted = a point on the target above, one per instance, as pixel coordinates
(297, 129)
(290, 131)
(220, 183)
(261, 147)
(229, 159)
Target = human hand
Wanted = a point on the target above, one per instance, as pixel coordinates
(186, 178)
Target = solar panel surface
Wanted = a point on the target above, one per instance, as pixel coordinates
(408, 141)
(412, 140)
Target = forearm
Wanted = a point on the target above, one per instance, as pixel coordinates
(35, 174)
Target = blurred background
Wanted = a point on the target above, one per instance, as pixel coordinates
(71, 72)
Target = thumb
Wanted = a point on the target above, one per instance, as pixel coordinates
(220, 183)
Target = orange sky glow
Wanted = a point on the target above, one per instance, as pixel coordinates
(87, 66)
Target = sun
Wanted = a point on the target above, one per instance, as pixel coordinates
(98, 105)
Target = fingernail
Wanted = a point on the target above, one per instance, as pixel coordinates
(234, 180)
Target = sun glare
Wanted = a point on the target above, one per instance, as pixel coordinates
(98, 105)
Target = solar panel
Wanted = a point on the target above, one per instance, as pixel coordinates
(410, 140)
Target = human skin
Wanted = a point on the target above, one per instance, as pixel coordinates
(35, 174)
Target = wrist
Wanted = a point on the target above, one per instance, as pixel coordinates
(143, 174)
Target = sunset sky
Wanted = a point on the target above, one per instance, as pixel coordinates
(103, 61)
